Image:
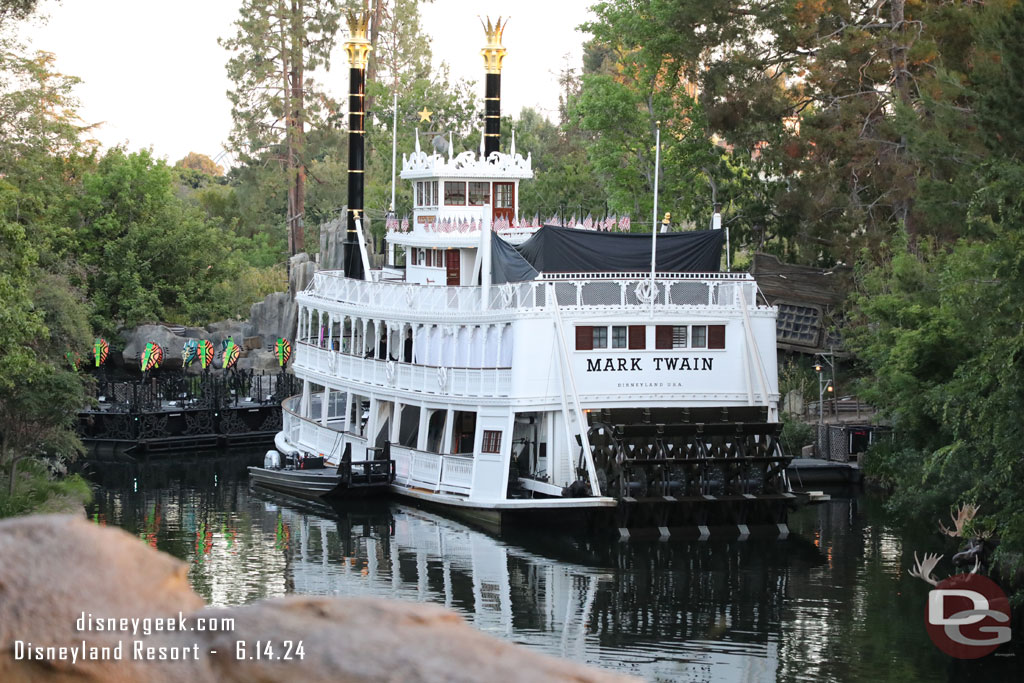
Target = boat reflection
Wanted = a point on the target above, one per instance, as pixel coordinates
(801, 608)
(653, 608)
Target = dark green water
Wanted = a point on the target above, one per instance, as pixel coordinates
(831, 603)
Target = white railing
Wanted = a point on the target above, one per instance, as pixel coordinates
(574, 291)
(426, 379)
(309, 435)
(431, 471)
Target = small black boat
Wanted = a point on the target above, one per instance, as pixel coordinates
(306, 477)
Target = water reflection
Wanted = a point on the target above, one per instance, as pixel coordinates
(830, 603)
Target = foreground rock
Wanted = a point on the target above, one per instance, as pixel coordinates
(54, 568)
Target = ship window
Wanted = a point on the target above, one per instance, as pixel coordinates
(716, 336)
(419, 194)
(491, 442)
(454, 193)
(600, 338)
(432, 194)
(618, 337)
(699, 336)
(479, 194)
(678, 337)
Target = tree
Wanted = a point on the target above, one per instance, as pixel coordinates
(149, 255)
(936, 323)
(201, 163)
(277, 45)
(401, 62)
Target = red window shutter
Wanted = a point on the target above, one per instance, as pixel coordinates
(637, 337)
(584, 337)
(716, 336)
(663, 337)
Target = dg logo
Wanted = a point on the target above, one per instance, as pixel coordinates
(968, 616)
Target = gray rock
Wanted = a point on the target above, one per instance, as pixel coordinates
(219, 331)
(301, 270)
(332, 237)
(259, 360)
(273, 317)
(136, 340)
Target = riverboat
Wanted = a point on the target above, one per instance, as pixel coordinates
(513, 371)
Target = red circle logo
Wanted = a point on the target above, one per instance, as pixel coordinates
(967, 616)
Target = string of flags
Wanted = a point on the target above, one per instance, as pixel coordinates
(612, 223)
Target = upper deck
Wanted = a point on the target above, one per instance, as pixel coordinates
(331, 291)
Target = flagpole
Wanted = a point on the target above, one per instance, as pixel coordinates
(654, 219)
(394, 144)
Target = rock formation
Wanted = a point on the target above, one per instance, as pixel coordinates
(55, 568)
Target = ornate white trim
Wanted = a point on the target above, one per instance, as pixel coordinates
(467, 164)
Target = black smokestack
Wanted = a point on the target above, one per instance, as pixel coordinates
(358, 48)
(493, 53)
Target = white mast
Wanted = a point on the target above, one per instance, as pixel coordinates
(394, 144)
(654, 218)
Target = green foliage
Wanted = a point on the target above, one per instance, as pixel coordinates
(38, 490)
(149, 256)
(940, 331)
(795, 435)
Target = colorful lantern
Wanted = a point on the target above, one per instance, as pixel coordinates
(152, 357)
(283, 349)
(205, 353)
(100, 351)
(231, 353)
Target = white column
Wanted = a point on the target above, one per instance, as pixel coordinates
(323, 405)
(396, 421)
(449, 428)
(421, 438)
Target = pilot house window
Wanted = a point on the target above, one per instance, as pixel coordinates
(454, 194)
(426, 193)
(479, 194)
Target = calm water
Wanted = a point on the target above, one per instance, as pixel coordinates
(831, 603)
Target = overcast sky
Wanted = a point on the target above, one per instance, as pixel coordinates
(153, 73)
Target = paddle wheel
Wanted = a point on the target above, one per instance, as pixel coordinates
(694, 476)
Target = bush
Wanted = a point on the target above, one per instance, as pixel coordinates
(795, 435)
(37, 490)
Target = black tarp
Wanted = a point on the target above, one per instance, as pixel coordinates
(507, 264)
(566, 250)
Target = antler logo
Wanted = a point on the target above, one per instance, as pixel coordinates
(964, 611)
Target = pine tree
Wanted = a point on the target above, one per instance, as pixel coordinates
(274, 99)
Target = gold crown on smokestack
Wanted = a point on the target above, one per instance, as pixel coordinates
(493, 52)
(358, 45)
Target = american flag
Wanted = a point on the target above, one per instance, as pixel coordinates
(391, 224)
(588, 222)
(624, 224)
(572, 221)
(405, 224)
